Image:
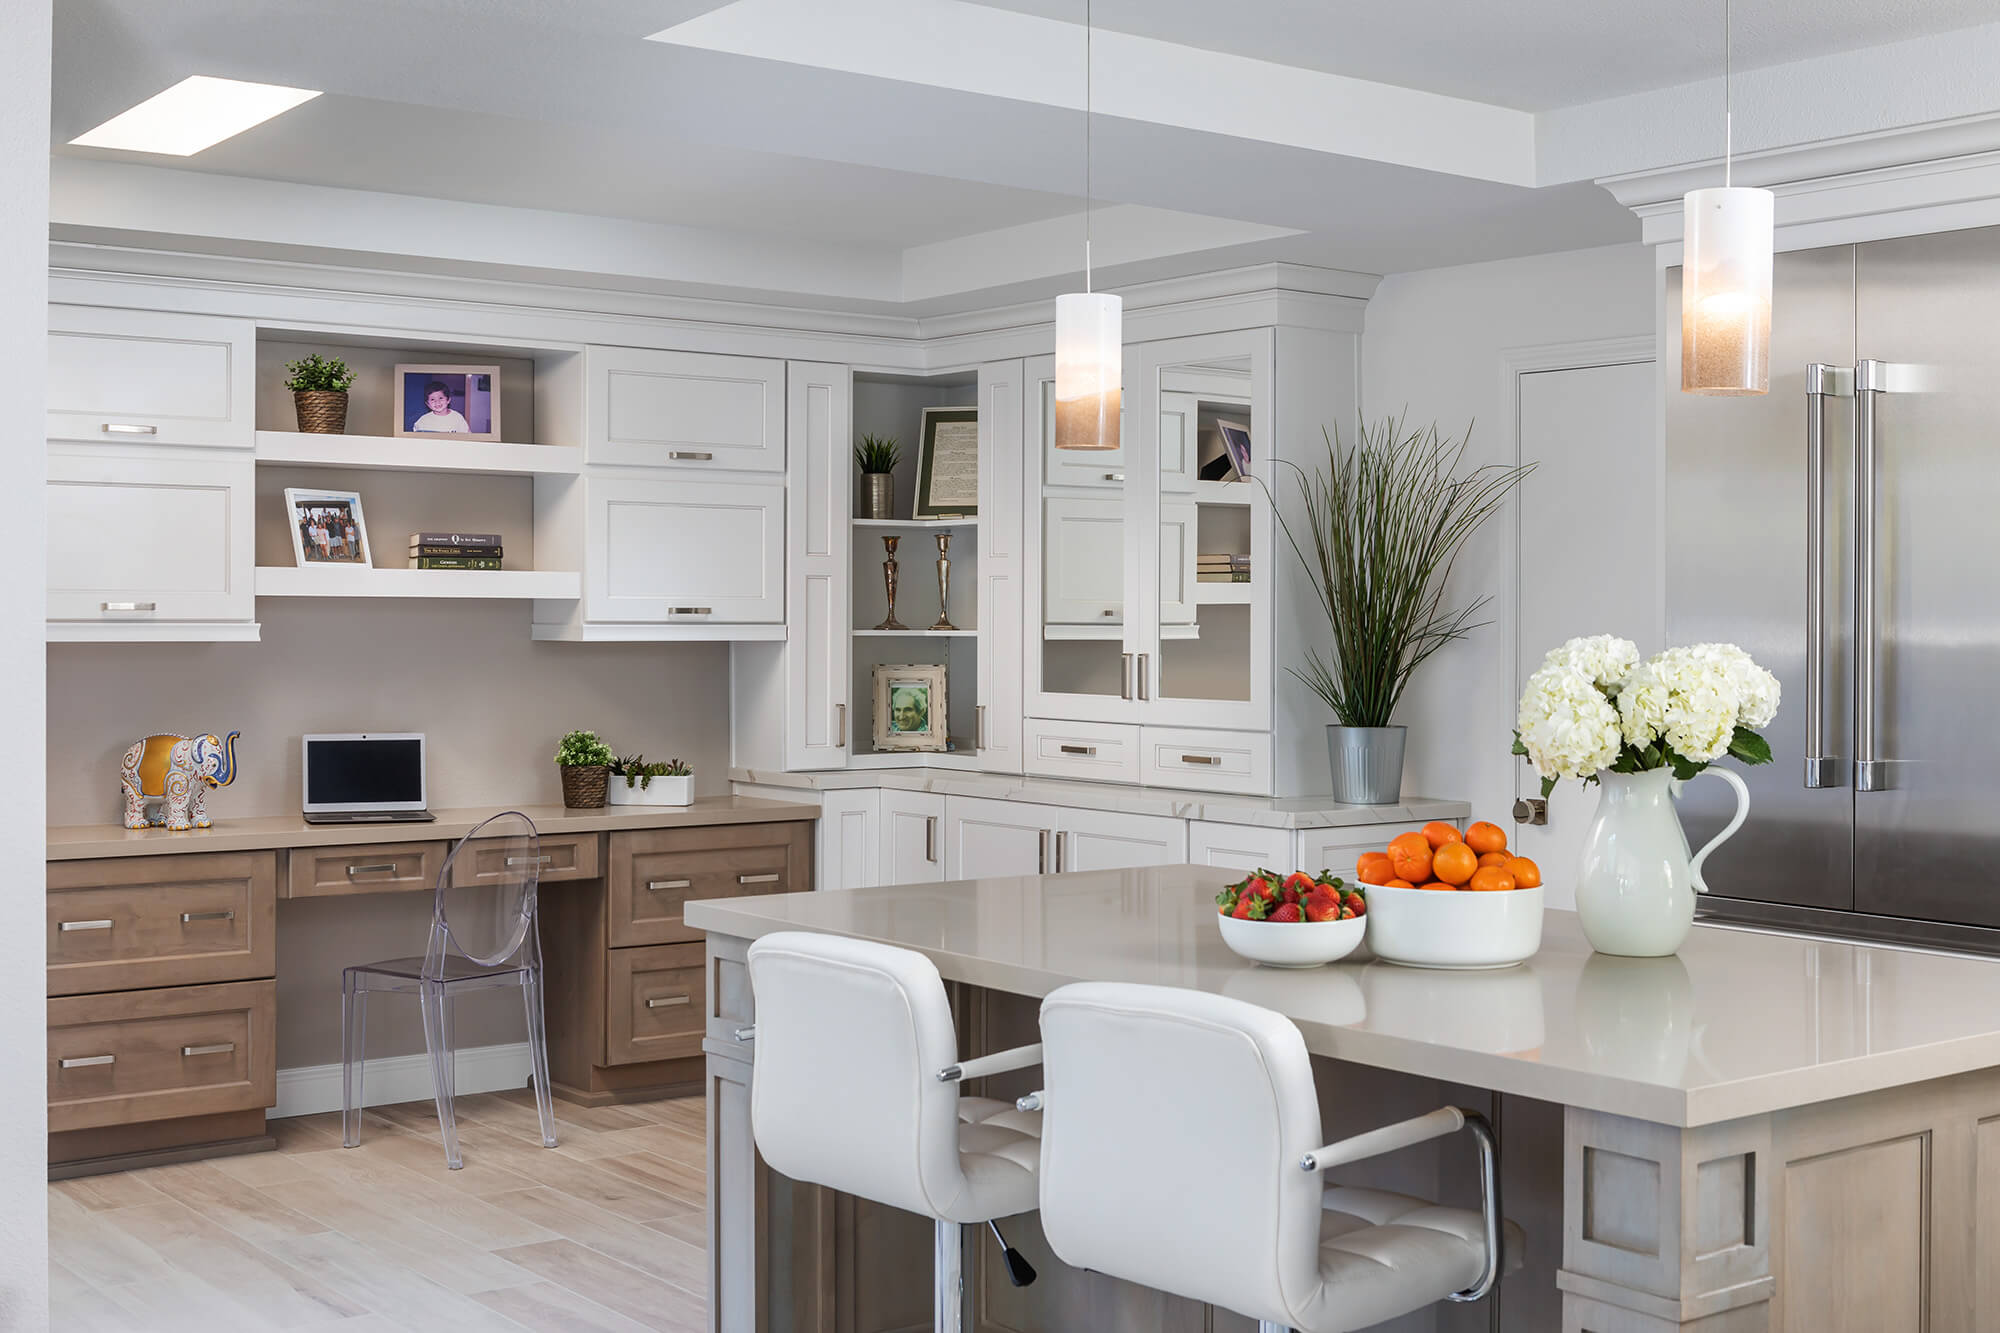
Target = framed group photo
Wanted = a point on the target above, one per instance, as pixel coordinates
(327, 528)
(457, 402)
(910, 708)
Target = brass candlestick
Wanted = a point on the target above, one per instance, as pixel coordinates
(944, 582)
(889, 581)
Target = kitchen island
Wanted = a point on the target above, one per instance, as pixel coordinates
(1765, 1132)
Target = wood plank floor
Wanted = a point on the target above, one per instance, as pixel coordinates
(604, 1234)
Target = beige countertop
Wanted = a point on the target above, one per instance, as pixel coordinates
(1740, 1023)
(1294, 812)
(76, 842)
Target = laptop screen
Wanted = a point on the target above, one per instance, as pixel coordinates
(364, 772)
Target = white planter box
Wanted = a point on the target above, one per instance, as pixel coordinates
(660, 791)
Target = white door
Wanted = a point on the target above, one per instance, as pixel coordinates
(148, 377)
(1002, 570)
(1593, 431)
(1240, 847)
(820, 573)
(146, 541)
(1112, 840)
(913, 837)
(985, 837)
(680, 551)
(685, 410)
(849, 839)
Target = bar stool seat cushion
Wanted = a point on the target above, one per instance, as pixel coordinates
(1382, 1254)
(1000, 1151)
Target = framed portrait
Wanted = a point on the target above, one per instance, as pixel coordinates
(909, 708)
(456, 402)
(327, 528)
(948, 464)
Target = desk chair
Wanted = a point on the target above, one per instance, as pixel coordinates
(489, 883)
(855, 1086)
(1180, 1150)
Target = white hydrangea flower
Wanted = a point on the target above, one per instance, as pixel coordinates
(1756, 689)
(1567, 725)
(1701, 701)
(1642, 706)
(1602, 659)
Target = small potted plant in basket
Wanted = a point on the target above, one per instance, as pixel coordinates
(634, 781)
(585, 764)
(319, 386)
(876, 456)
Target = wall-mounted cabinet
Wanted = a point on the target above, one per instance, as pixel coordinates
(673, 552)
(687, 410)
(141, 376)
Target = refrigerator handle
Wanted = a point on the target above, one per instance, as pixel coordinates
(1871, 379)
(1822, 382)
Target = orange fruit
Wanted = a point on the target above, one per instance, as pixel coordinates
(1398, 884)
(1484, 837)
(1527, 875)
(1410, 854)
(1490, 879)
(1454, 863)
(1437, 885)
(1437, 833)
(1374, 868)
(1494, 859)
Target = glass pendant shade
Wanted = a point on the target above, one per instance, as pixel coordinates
(1726, 292)
(1090, 369)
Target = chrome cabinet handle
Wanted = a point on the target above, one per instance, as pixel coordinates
(186, 917)
(771, 878)
(78, 1062)
(68, 926)
(375, 868)
(1110, 610)
(1870, 381)
(129, 428)
(690, 610)
(690, 455)
(662, 885)
(1061, 838)
(1145, 687)
(666, 1001)
(1125, 675)
(1200, 759)
(1079, 749)
(1822, 382)
(1041, 851)
(1114, 476)
(746, 1034)
(930, 838)
(218, 1048)
(529, 860)
(979, 726)
(130, 606)
(840, 712)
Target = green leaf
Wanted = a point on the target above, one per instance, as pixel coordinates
(1747, 746)
(1684, 768)
(1519, 748)
(1548, 785)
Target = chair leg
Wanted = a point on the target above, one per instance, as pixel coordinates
(948, 1278)
(1266, 1326)
(538, 1055)
(353, 1058)
(438, 1043)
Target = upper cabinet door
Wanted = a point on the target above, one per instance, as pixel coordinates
(1098, 468)
(1083, 566)
(147, 377)
(684, 552)
(685, 410)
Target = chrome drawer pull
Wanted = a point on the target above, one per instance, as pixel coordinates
(380, 867)
(129, 428)
(747, 1034)
(662, 885)
(1079, 749)
(1114, 476)
(207, 916)
(130, 606)
(80, 1061)
(529, 860)
(1199, 759)
(1110, 610)
(84, 925)
(690, 455)
(758, 879)
(219, 1048)
(690, 610)
(665, 1001)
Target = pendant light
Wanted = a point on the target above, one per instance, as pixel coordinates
(1726, 275)
(1090, 332)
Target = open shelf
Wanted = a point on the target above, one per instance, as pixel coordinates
(916, 522)
(1226, 492)
(337, 581)
(916, 633)
(1095, 632)
(407, 454)
(1223, 594)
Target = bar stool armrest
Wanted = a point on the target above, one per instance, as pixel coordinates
(1000, 1062)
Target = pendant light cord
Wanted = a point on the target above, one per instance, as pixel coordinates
(1086, 147)
(1728, 121)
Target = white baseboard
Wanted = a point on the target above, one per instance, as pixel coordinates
(311, 1089)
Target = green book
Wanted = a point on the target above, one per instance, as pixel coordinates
(454, 562)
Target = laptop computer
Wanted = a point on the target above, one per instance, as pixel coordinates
(366, 778)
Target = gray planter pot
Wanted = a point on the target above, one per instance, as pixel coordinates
(1367, 764)
(878, 495)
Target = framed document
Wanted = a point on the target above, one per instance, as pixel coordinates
(948, 464)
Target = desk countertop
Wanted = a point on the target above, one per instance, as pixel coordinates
(75, 842)
(1740, 1023)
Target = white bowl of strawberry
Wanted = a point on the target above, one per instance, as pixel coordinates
(1295, 920)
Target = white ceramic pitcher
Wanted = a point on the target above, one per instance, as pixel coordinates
(1636, 884)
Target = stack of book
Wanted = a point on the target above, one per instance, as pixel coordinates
(1222, 569)
(455, 550)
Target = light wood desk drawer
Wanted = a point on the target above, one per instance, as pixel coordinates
(653, 1003)
(177, 920)
(564, 856)
(158, 1054)
(656, 872)
(375, 867)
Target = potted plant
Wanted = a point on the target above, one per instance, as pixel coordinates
(877, 456)
(636, 782)
(1383, 525)
(319, 386)
(585, 763)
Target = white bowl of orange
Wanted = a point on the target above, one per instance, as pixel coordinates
(1439, 898)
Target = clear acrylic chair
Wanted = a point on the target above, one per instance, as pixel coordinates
(483, 934)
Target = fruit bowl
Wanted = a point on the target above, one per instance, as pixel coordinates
(1293, 943)
(1454, 929)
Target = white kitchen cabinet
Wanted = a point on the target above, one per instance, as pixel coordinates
(684, 552)
(1240, 847)
(1337, 849)
(1114, 840)
(1002, 570)
(1088, 751)
(820, 574)
(986, 837)
(151, 377)
(1228, 761)
(150, 547)
(684, 410)
(913, 837)
(1083, 562)
(850, 839)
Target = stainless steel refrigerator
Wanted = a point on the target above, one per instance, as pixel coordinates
(1843, 529)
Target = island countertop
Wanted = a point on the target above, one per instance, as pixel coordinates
(1740, 1023)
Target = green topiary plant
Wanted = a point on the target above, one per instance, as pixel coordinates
(319, 374)
(877, 453)
(582, 749)
(636, 771)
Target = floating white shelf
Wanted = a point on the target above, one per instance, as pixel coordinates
(916, 633)
(1223, 594)
(405, 454)
(1226, 492)
(336, 581)
(680, 631)
(1077, 632)
(916, 522)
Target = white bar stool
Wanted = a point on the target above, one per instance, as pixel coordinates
(1180, 1150)
(855, 1086)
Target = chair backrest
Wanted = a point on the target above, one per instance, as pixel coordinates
(484, 907)
(844, 1092)
(1171, 1137)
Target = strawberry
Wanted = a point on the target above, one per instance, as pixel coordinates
(1354, 902)
(1242, 912)
(1322, 907)
(1259, 887)
(1287, 912)
(1347, 914)
(1299, 882)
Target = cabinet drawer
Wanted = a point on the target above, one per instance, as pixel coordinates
(1099, 751)
(369, 867)
(684, 552)
(160, 920)
(1232, 761)
(654, 873)
(563, 856)
(158, 1054)
(148, 377)
(653, 1003)
(1337, 849)
(686, 410)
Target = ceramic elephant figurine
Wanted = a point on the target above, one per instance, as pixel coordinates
(174, 773)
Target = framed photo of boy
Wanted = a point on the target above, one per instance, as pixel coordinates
(458, 402)
(909, 708)
(327, 528)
